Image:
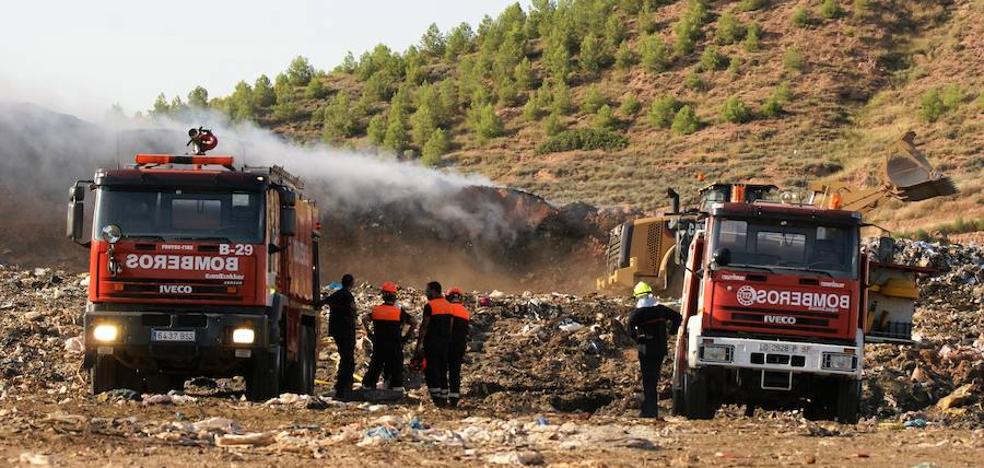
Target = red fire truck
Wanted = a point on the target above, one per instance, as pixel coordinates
(778, 303)
(199, 269)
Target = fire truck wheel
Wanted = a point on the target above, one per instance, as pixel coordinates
(108, 374)
(696, 402)
(848, 401)
(263, 381)
(310, 358)
(163, 383)
(300, 375)
(102, 376)
(679, 402)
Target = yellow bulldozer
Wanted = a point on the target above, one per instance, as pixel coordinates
(645, 249)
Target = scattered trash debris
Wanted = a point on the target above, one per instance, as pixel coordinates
(918, 423)
(515, 458)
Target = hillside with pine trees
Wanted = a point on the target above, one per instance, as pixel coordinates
(612, 101)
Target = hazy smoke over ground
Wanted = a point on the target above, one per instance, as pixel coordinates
(383, 219)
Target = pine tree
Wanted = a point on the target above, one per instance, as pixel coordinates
(241, 103)
(282, 89)
(423, 122)
(662, 112)
(625, 58)
(459, 41)
(593, 100)
(685, 121)
(605, 118)
(315, 89)
(396, 138)
(523, 74)
(263, 95)
(729, 29)
(489, 124)
(433, 42)
(558, 62)
(553, 124)
(198, 98)
(561, 99)
(178, 106)
(752, 37)
(339, 120)
(614, 31)
(630, 106)
(437, 145)
(161, 107)
(645, 22)
(377, 129)
(300, 71)
(655, 56)
(593, 55)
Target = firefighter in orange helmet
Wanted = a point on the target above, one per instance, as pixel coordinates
(459, 344)
(386, 334)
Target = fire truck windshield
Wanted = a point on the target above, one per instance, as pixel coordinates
(232, 216)
(779, 244)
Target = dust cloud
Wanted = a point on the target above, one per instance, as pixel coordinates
(383, 219)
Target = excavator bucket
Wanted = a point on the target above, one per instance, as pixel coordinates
(911, 176)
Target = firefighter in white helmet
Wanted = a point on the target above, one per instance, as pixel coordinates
(648, 325)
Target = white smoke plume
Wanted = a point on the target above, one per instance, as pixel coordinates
(349, 182)
(386, 215)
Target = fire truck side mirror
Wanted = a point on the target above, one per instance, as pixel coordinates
(76, 213)
(288, 221)
(721, 257)
(288, 216)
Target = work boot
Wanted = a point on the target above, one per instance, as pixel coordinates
(439, 400)
(343, 395)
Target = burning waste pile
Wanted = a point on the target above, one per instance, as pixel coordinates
(940, 378)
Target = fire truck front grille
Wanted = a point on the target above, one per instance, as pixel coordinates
(780, 319)
(203, 290)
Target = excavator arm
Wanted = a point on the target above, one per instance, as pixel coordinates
(906, 175)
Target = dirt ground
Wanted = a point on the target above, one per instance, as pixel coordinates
(549, 379)
(108, 435)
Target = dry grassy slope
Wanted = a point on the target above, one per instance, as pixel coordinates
(860, 90)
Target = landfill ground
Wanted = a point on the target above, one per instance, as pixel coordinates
(549, 379)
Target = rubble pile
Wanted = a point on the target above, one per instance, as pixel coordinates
(532, 352)
(942, 375)
(536, 353)
(40, 331)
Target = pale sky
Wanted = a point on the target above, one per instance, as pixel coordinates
(81, 56)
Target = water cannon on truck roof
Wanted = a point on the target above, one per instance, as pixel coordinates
(199, 269)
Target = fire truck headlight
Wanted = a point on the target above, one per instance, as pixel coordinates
(111, 233)
(243, 336)
(839, 361)
(716, 353)
(105, 333)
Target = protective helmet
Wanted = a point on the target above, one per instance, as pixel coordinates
(388, 287)
(642, 289)
(454, 295)
(454, 291)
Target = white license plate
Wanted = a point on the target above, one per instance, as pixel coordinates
(172, 335)
(782, 348)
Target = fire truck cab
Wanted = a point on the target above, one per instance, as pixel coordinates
(199, 271)
(771, 310)
(775, 304)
